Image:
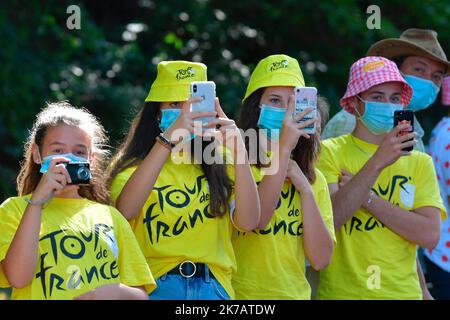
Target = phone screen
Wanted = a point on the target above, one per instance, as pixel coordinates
(404, 117)
(405, 132)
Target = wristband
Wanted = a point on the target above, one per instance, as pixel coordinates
(166, 141)
(370, 200)
(33, 203)
(165, 145)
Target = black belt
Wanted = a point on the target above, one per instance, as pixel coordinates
(189, 269)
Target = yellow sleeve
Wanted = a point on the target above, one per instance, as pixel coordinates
(256, 173)
(10, 216)
(427, 188)
(133, 267)
(231, 174)
(119, 182)
(232, 201)
(117, 186)
(324, 202)
(327, 163)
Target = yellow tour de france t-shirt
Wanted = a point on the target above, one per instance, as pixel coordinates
(271, 261)
(370, 261)
(175, 223)
(82, 245)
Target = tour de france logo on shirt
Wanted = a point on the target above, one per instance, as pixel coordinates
(170, 198)
(283, 224)
(67, 247)
(398, 192)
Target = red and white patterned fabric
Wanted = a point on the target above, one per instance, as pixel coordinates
(446, 91)
(440, 152)
(369, 72)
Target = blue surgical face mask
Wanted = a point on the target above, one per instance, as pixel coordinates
(168, 117)
(424, 92)
(271, 119)
(45, 164)
(379, 116)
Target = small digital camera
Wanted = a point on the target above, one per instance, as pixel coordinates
(80, 173)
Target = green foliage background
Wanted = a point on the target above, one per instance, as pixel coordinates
(109, 64)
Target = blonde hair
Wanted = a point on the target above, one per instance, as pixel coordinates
(63, 113)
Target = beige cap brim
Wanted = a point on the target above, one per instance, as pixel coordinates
(394, 48)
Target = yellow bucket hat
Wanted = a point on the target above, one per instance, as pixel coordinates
(275, 70)
(173, 80)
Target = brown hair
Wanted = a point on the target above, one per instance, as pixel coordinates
(305, 152)
(53, 115)
(324, 110)
(140, 140)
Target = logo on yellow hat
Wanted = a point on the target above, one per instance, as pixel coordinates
(373, 66)
(279, 65)
(275, 70)
(185, 73)
(173, 80)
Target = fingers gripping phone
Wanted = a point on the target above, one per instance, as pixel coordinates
(306, 97)
(207, 91)
(404, 117)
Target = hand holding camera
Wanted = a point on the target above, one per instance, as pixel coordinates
(61, 176)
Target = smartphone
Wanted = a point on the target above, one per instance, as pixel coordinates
(306, 97)
(207, 91)
(404, 117)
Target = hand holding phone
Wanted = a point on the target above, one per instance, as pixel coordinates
(306, 97)
(207, 91)
(404, 117)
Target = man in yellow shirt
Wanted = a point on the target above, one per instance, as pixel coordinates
(385, 200)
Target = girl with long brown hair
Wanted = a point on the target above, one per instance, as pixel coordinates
(183, 212)
(59, 238)
(296, 217)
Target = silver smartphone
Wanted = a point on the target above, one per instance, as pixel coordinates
(207, 91)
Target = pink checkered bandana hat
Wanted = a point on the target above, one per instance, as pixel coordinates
(371, 71)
